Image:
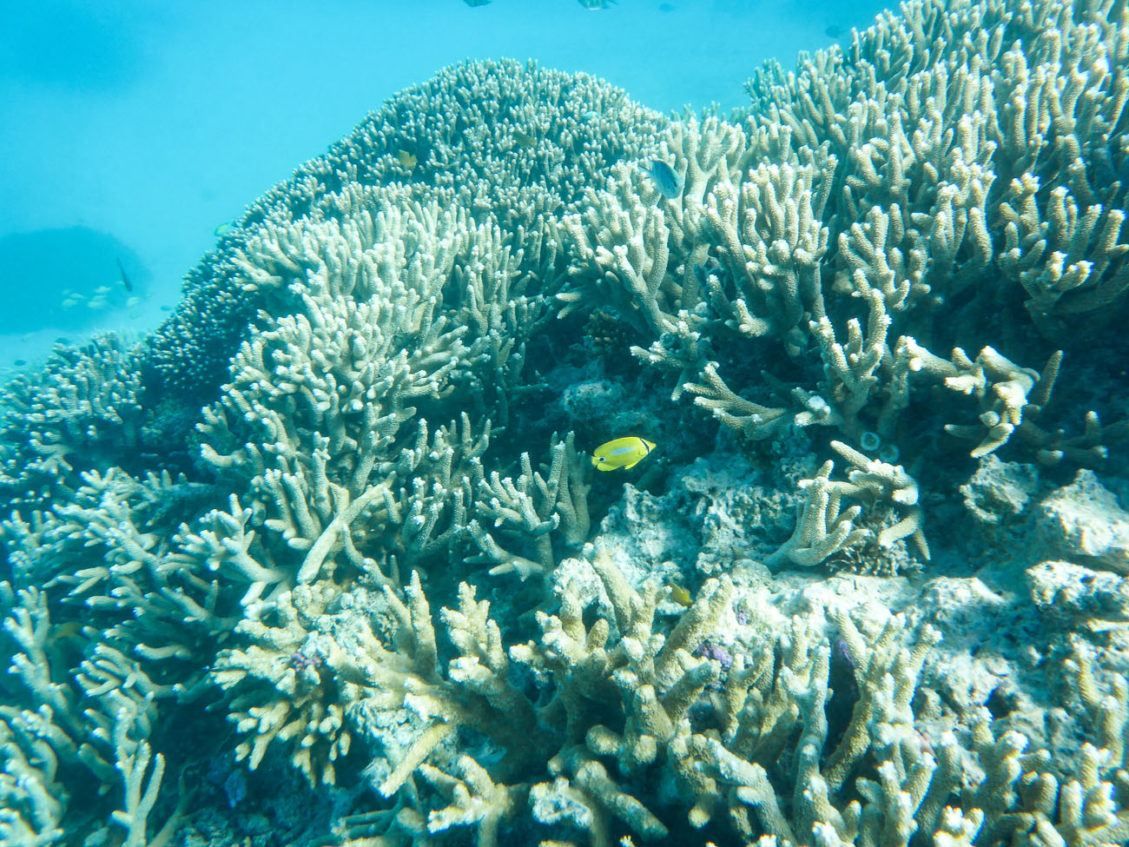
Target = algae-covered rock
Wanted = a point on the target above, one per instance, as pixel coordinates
(1070, 595)
(1000, 492)
(1084, 522)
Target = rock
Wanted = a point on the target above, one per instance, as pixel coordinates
(1000, 491)
(1072, 595)
(1083, 522)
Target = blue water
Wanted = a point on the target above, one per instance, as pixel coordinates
(148, 124)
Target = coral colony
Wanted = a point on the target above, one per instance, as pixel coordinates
(325, 561)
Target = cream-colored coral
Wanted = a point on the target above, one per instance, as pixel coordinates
(856, 213)
(531, 512)
(62, 727)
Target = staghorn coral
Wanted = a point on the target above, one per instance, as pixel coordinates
(1002, 108)
(62, 726)
(867, 209)
(340, 571)
(496, 137)
(82, 412)
(315, 677)
(532, 510)
(320, 425)
(287, 683)
(745, 747)
(824, 528)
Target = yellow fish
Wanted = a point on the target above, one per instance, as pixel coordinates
(680, 595)
(407, 159)
(623, 453)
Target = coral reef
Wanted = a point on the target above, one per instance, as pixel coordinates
(324, 560)
(878, 204)
(83, 411)
(497, 138)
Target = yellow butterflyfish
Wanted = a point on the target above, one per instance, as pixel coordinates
(623, 453)
(407, 159)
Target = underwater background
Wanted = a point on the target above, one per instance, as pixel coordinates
(134, 129)
(564, 422)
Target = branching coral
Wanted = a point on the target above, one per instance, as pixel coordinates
(867, 221)
(745, 746)
(83, 412)
(532, 510)
(322, 417)
(517, 140)
(825, 526)
(61, 727)
(334, 566)
(287, 687)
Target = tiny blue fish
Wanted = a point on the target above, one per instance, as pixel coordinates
(665, 179)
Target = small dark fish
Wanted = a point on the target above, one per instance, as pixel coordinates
(125, 277)
(833, 31)
(842, 680)
(19, 363)
(166, 308)
(707, 268)
(473, 3)
(665, 179)
(666, 7)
